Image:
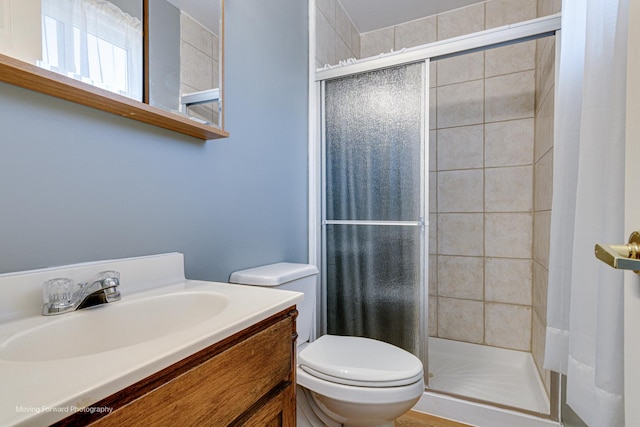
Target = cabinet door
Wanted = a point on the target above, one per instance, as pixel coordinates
(219, 391)
(279, 411)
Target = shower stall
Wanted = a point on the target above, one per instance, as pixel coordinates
(435, 198)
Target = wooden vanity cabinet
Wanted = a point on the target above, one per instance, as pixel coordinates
(247, 379)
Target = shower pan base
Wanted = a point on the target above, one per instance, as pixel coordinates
(501, 376)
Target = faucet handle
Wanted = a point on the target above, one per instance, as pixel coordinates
(58, 293)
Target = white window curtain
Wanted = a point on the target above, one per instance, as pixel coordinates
(93, 41)
(584, 313)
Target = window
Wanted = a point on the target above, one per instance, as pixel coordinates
(95, 42)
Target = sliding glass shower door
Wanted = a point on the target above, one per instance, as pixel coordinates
(374, 205)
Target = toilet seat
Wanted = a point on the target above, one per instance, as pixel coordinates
(375, 384)
(358, 361)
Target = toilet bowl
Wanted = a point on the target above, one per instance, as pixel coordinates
(359, 381)
(342, 380)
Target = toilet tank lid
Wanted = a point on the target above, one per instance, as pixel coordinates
(273, 274)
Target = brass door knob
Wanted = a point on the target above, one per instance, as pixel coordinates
(623, 257)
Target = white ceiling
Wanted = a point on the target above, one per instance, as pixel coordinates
(369, 15)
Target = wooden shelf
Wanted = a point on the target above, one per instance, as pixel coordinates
(31, 77)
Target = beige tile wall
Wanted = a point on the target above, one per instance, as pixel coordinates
(543, 175)
(337, 39)
(482, 128)
(199, 63)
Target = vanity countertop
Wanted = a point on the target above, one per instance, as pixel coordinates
(46, 387)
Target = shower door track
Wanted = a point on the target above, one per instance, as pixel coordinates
(481, 40)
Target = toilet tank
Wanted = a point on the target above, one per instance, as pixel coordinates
(291, 277)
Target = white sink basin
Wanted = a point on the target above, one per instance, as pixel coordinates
(51, 366)
(112, 326)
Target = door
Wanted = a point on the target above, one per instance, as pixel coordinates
(632, 221)
(374, 205)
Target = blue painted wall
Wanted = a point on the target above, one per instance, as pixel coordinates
(78, 184)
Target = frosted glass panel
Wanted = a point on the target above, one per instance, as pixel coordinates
(373, 134)
(373, 283)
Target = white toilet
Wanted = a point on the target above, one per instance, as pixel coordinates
(348, 381)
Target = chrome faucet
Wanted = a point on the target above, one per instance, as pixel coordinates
(60, 296)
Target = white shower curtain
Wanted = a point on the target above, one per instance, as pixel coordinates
(584, 315)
